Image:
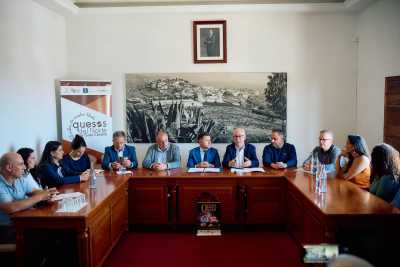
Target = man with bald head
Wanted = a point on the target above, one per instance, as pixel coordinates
(240, 154)
(15, 193)
(163, 155)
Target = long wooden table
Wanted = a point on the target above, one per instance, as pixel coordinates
(345, 214)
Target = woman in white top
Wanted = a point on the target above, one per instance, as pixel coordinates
(29, 157)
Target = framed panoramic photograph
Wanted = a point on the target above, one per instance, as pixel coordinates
(209, 41)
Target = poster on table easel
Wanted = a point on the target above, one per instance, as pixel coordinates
(86, 110)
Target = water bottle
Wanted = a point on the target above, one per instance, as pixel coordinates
(314, 164)
(322, 179)
(92, 183)
(317, 183)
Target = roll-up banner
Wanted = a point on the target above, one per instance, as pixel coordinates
(86, 110)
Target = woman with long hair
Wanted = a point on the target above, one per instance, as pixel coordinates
(353, 162)
(51, 170)
(385, 171)
(29, 157)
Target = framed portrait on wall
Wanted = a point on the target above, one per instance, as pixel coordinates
(209, 41)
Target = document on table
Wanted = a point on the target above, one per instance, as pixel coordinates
(192, 170)
(247, 170)
(124, 172)
(66, 195)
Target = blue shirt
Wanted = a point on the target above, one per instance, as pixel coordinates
(328, 158)
(196, 155)
(285, 154)
(77, 166)
(31, 181)
(396, 200)
(12, 192)
(385, 187)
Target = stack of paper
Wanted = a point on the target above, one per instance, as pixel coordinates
(246, 170)
(191, 170)
(70, 202)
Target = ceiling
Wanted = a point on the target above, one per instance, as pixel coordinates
(126, 3)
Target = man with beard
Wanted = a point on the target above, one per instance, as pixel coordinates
(279, 154)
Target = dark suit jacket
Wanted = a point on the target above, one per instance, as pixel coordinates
(195, 157)
(50, 176)
(110, 155)
(249, 152)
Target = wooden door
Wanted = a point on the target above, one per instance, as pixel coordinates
(148, 202)
(295, 218)
(265, 201)
(119, 215)
(392, 111)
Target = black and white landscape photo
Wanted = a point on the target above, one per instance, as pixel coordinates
(186, 104)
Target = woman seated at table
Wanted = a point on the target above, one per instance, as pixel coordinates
(77, 160)
(353, 162)
(51, 170)
(30, 175)
(385, 171)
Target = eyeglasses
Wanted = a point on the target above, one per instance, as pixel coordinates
(238, 136)
(324, 139)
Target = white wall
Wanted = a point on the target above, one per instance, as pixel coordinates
(32, 56)
(379, 57)
(316, 50)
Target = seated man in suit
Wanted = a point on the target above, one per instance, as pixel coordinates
(119, 154)
(240, 154)
(204, 156)
(279, 154)
(16, 193)
(162, 155)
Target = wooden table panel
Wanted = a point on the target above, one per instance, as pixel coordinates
(276, 196)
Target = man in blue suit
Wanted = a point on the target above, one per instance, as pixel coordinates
(204, 156)
(119, 154)
(240, 154)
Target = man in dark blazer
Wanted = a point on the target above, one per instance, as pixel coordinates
(119, 154)
(204, 156)
(279, 154)
(240, 154)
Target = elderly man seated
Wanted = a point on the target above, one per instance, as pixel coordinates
(240, 154)
(15, 193)
(163, 155)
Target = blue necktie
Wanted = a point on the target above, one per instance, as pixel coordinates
(205, 155)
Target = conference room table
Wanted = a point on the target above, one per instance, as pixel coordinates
(275, 199)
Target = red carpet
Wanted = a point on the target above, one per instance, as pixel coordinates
(186, 250)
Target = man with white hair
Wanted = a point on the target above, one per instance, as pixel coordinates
(15, 194)
(326, 152)
(240, 154)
